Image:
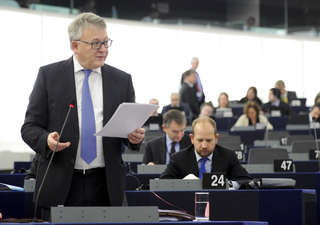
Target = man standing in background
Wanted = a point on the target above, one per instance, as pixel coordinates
(198, 85)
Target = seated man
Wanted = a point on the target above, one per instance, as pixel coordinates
(176, 104)
(158, 151)
(207, 109)
(314, 115)
(154, 122)
(204, 153)
(276, 104)
(286, 96)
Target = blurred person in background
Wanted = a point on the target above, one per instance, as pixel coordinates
(252, 116)
(207, 109)
(286, 96)
(314, 115)
(252, 95)
(188, 93)
(198, 85)
(317, 99)
(223, 101)
(275, 103)
(176, 104)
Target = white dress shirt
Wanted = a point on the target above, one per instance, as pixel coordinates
(95, 85)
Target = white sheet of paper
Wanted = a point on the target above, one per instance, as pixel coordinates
(127, 118)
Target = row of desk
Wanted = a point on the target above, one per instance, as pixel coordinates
(171, 223)
(285, 207)
(289, 206)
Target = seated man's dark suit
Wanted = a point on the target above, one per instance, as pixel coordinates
(284, 108)
(183, 107)
(156, 150)
(188, 95)
(223, 160)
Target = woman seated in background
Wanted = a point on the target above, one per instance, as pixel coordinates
(252, 95)
(223, 109)
(207, 109)
(252, 116)
(223, 101)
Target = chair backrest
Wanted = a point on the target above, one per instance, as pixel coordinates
(297, 138)
(232, 142)
(303, 146)
(277, 135)
(266, 155)
(152, 134)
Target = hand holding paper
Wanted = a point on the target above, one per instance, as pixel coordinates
(136, 136)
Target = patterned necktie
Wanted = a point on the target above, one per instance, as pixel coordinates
(88, 124)
(202, 167)
(173, 149)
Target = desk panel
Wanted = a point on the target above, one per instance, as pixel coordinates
(285, 207)
(168, 223)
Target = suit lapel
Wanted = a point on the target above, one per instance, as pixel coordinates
(70, 94)
(216, 165)
(194, 162)
(108, 90)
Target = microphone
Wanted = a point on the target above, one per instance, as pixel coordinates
(71, 106)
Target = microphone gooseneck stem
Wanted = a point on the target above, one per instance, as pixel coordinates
(50, 161)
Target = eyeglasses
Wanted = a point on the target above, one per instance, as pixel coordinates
(97, 44)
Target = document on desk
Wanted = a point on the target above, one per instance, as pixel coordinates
(127, 118)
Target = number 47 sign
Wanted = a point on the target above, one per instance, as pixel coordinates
(283, 165)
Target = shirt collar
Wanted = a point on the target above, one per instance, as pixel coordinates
(198, 157)
(276, 103)
(78, 67)
(168, 140)
(188, 83)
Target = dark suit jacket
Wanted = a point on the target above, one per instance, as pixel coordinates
(52, 93)
(223, 160)
(200, 101)
(291, 95)
(156, 150)
(283, 107)
(188, 95)
(184, 107)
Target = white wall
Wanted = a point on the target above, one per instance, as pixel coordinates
(156, 56)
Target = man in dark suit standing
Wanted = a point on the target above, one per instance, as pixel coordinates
(188, 94)
(204, 155)
(159, 151)
(198, 85)
(86, 170)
